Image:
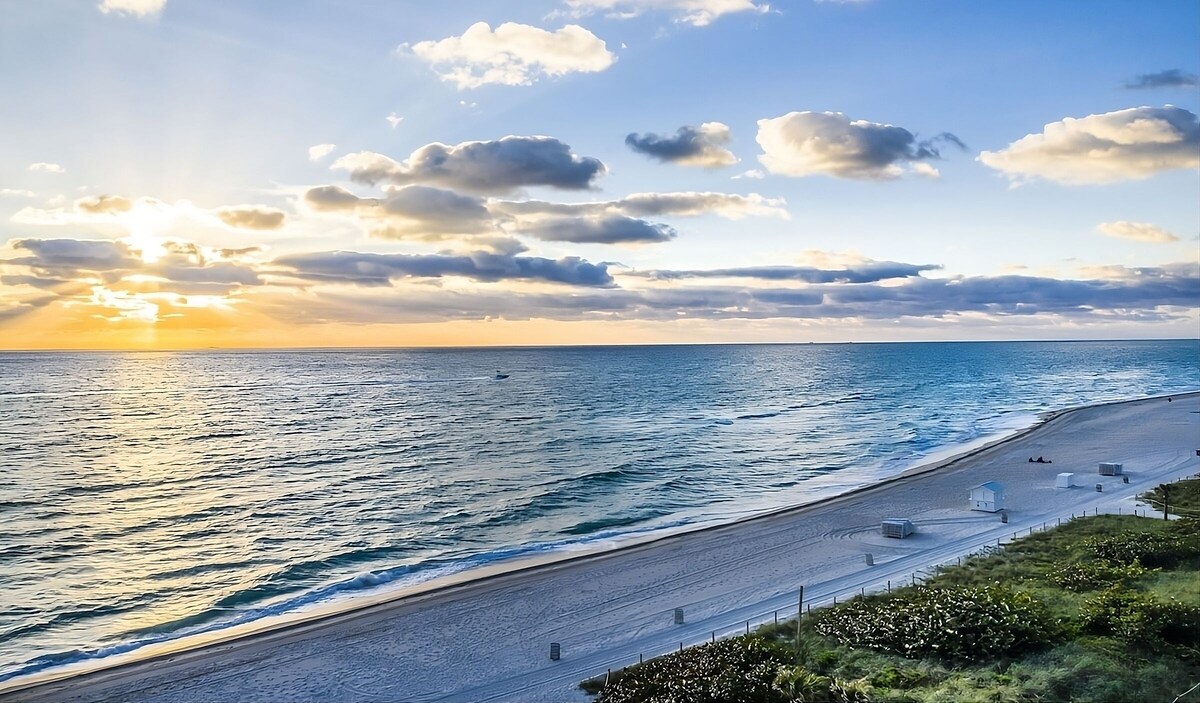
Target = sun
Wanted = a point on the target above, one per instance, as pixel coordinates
(145, 224)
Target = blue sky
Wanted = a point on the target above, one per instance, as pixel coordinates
(182, 108)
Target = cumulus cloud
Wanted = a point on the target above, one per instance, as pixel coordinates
(694, 12)
(512, 54)
(258, 217)
(730, 206)
(829, 143)
(865, 272)
(181, 266)
(497, 166)
(1171, 78)
(133, 8)
(1131, 144)
(103, 204)
(701, 146)
(17, 193)
(317, 152)
(413, 211)
(65, 258)
(1148, 294)
(367, 269)
(621, 221)
(1137, 231)
(610, 229)
(44, 167)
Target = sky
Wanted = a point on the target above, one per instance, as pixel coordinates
(208, 173)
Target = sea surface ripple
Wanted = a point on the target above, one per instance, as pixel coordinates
(148, 495)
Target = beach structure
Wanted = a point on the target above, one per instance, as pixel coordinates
(1065, 480)
(1108, 468)
(987, 497)
(898, 528)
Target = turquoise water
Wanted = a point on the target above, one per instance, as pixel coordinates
(147, 495)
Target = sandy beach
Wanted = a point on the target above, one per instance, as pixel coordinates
(486, 636)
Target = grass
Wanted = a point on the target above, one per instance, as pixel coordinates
(1133, 638)
(1184, 497)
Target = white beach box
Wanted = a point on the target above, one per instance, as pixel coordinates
(1064, 481)
(1108, 468)
(987, 497)
(897, 527)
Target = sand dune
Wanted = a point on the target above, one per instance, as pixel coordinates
(488, 638)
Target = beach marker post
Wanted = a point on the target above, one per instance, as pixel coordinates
(800, 614)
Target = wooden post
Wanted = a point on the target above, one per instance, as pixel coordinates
(1166, 500)
(799, 614)
(889, 585)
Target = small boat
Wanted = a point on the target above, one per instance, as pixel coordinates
(500, 376)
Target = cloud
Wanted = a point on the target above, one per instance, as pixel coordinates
(1149, 294)
(752, 173)
(104, 204)
(251, 216)
(413, 211)
(17, 193)
(1130, 144)
(697, 13)
(730, 206)
(133, 8)
(829, 143)
(43, 167)
(1137, 231)
(76, 264)
(611, 229)
(701, 146)
(66, 258)
(1171, 78)
(513, 54)
(367, 269)
(866, 272)
(394, 120)
(317, 152)
(497, 166)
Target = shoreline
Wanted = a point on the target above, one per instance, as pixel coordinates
(267, 630)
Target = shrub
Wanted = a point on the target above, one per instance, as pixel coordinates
(1151, 550)
(960, 623)
(737, 669)
(1093, 576)
(1140, 619)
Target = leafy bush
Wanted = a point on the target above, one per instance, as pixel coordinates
(959, 623)
(1141, 619)
(737, 669)
(1093, 576)
(1146, 548)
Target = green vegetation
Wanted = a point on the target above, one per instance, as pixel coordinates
(1100, 609)
(1184, 497)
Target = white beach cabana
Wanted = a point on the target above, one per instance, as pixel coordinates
(1066, 480)
(897, 527)
(987, 497)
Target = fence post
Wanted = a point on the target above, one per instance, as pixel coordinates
(799, 615)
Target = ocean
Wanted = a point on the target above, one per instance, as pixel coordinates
(144, 496)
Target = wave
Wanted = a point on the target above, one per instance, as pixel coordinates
(225, 613)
